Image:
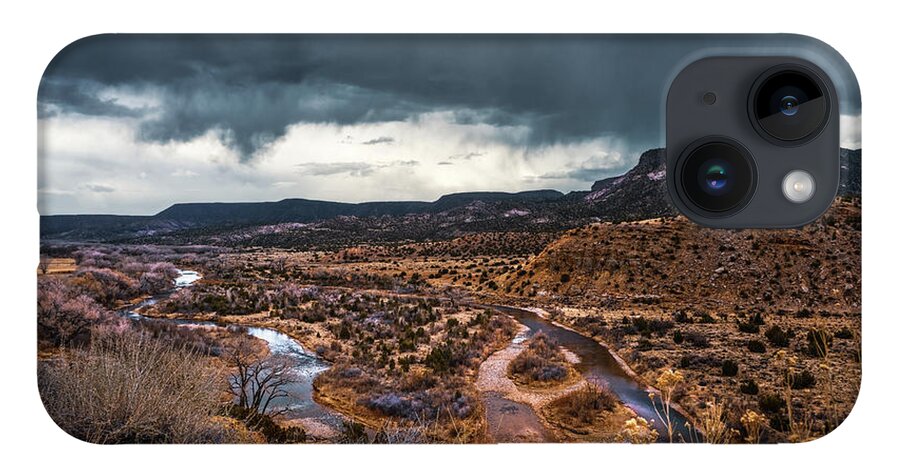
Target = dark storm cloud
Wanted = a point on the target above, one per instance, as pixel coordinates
(563, 88)
(80, 97)
(588, 170)
(254, 116)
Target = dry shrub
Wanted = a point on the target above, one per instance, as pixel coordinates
(541, 361)
(65, 317)
(668, 383)
(131, 388)
(754, 426)
(106, 286)
(393, 434)
(445, 400)
(586, 404)
(155, 278)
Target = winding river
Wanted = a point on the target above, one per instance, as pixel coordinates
(598, 366)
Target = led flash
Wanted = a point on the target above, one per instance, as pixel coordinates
(798, 186)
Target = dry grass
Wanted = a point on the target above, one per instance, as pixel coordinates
(586, 405)
(130, 388)
(56, 266)
(590, 413)
(713, 427)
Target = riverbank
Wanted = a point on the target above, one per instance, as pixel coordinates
(627, 368)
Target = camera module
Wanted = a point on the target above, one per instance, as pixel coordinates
(764, 154)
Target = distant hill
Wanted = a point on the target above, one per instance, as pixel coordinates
(60, 224)
(454, 200)
(641, 192)
(185, 216)
(298, 210)
(638, 194)
(289, 210)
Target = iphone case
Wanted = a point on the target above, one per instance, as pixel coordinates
(421, 239)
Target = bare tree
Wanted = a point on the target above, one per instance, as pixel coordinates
(257, 382)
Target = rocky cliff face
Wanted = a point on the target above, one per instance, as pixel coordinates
(638, 194)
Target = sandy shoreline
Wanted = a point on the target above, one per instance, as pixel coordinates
(493, 376)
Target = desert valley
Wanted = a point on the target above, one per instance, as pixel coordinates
(480, 317)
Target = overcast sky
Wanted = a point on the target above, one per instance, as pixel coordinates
(133, 124)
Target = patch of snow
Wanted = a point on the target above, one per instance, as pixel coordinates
(515, 212)
(657, 175)
(603, 191)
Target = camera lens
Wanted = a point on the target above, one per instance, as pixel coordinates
(717, 176)
(789, 104)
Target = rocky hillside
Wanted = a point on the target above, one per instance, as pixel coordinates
(673, 261)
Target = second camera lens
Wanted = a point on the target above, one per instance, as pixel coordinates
(789, 104)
